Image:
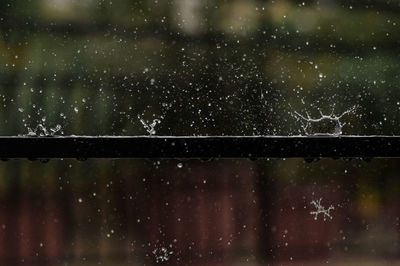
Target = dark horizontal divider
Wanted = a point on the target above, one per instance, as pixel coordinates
(199, 147)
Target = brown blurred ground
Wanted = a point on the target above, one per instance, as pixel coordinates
(225, 212)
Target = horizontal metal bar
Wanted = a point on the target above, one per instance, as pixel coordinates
(199, 146)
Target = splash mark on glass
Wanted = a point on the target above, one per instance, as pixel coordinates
(324, 125)
(150, 127)
(162, 254)
(41, 131)
(321, 210)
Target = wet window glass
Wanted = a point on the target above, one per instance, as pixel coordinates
(153, 68)
(198, 67)
(196, 212)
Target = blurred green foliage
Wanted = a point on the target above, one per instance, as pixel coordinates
(202, 67)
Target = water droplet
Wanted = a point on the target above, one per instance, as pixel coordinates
(55, 129)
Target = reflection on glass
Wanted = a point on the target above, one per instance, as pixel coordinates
(222, 212)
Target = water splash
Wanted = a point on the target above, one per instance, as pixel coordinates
(150, 127)
(162, 254)
(41, 131)
(325, 124)
(321, 210)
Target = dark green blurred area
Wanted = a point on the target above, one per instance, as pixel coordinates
(239, 67)
(201, 67)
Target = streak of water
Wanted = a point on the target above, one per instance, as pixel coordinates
(41, 131)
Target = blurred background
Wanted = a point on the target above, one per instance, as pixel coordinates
(198, 67)
(193, 212)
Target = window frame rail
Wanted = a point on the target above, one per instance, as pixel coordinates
(199, 146)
